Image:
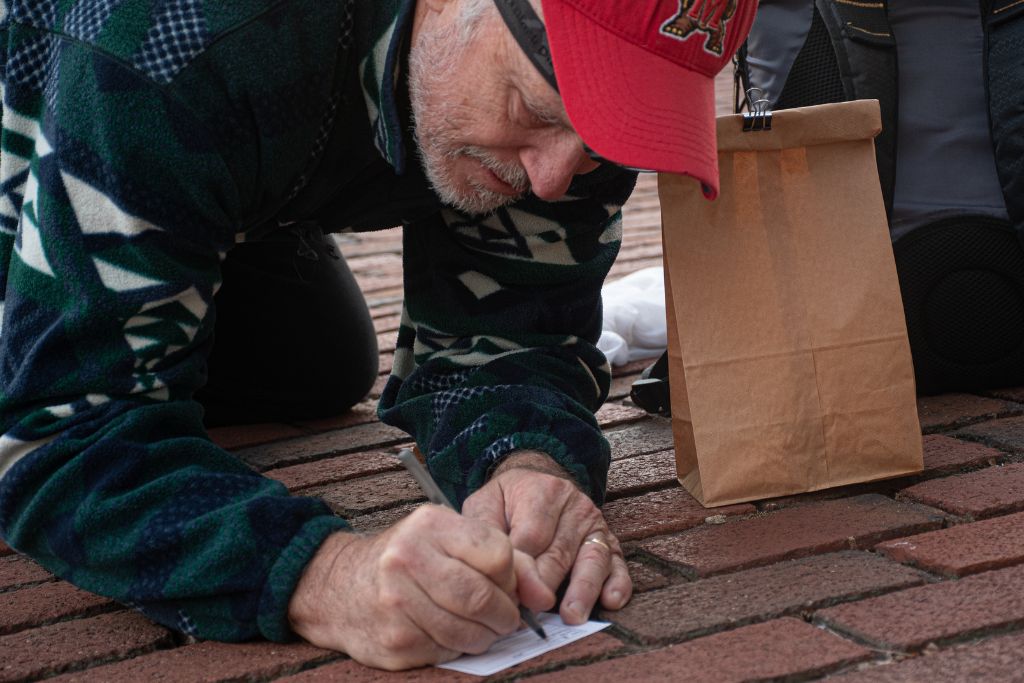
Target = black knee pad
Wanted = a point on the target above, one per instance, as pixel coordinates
(962, 279)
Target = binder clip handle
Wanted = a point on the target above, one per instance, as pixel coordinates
(760, 115)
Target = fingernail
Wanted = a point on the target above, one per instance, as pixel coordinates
(575, 610)
(617, 598)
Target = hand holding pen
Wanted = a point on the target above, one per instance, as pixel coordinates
(437, 497)
(428, 589)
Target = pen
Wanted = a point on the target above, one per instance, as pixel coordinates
(436, 496)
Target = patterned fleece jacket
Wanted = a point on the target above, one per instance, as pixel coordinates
(141, 140)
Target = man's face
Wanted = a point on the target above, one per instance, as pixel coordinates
(488, 126)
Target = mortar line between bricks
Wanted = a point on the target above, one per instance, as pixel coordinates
(804, 612)
(815, 674)
(293, 670)
(985, 441)
(93, 663)
(585, 660)
(640, 490)
(882, 652)
(93, 611)
(971, 421)
(939, 577)
(885, 659)
(865, 544)
(30, 584)
(349, 515)
(379, 445)
(992, 393)
(651, 559)
(988, 631)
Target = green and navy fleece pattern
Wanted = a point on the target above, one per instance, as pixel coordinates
(141, 140)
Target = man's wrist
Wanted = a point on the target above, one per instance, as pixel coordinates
(316, 582)
(537, 461)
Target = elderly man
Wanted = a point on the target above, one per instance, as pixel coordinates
(154, 150)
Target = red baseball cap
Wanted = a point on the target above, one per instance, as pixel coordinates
(637, 77)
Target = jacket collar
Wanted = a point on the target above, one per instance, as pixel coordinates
(382, 29)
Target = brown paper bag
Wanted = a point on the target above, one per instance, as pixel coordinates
(789, 365)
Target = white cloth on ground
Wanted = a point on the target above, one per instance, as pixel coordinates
(634, 317)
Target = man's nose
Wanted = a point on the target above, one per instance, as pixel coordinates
(551, 167)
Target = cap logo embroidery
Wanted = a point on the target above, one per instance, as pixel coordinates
(701, 16)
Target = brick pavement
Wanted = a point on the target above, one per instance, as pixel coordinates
(906, 580)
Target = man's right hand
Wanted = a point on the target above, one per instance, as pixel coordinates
(430, 588)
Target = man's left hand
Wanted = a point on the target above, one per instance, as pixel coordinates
(547, 517)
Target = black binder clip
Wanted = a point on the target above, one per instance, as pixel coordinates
(760, 115)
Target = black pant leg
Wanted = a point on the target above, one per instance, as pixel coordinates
(293, 337)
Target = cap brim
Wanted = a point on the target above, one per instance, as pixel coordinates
(630, 106)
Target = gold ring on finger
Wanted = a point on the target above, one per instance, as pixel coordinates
(595, 539)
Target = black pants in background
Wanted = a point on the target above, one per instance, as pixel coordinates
(293, 337)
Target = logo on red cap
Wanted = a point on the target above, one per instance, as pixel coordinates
(701, 16)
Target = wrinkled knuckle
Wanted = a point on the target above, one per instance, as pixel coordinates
(563, 558)
(589, 585)
(477, 599)
(499, 560)
(393, 560)
(427, 517)
(533, 534)
(399, 640)
(391, 599)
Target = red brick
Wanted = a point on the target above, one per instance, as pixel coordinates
(382, 519)
(241, 436)
(75, 644)
(333, 470)
(994, 659)
(208, 662)
(621, 386)
(615, 414)
(378, 386)
(954, 410)
(368, 494)
(376, 263)
(814, 528)
(646, 578)
(387, 341)
(782, 649)
(361, 413)
(384, 305)
(640, 438)
(1007, 435)
(373, 283)
(625, 266)
(693, 609)
(662, 512)
(307, 448)
(592, 647)
(642, 473)
(963, 549)
(20, 571)
(379, 262)
(45, 603)
(387, 323)
(991, 491)
(937, 613)
(943, 455)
